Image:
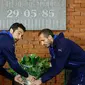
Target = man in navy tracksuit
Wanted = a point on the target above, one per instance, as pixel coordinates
(7, 51)
(65, 54)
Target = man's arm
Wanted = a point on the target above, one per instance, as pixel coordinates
(57, 63)
(9, 54)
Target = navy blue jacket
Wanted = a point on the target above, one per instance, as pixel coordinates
(67, 55)
(7, 53)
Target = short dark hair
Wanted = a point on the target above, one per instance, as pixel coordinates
(15, 26)
(46, 32)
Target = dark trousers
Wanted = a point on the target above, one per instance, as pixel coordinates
(77, 77)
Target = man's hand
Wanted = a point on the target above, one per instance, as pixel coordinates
(36, 82)
(31, 78)
(19, 79)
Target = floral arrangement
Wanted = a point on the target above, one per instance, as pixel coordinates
(34, 65)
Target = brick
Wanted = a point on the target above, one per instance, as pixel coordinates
(27, 46)
(28, 38)
(31, 33)
(68, 22)
(42, 55)
(73, 13)
(80, 18)
(74, 5)
(35, 33)
(19, 46)
(70, 10)
(47, 55)
(23, 50)
(68, 34)
(82, 13)
(79, 35)
(28, 33)
(39, 46)
(67, 5)
(38, 51)
(80, 9)
(83, 5)
(74, 30)
(82, 22)
(79, 1)
(75, 22)
(69, 1)
(70, 26)
(70, 17)
(18, 55)
(80, 26)
(22, 41)
(34, 42)
(82, 30)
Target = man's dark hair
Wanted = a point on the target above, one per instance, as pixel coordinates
(46, 32)
(16, 25)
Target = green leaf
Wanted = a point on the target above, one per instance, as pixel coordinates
(34, 65)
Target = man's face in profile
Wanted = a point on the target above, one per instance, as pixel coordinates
(17, 34)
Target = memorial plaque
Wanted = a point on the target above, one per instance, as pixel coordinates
(33, 14)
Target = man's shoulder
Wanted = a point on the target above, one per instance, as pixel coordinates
(5, 37)
(6, 40)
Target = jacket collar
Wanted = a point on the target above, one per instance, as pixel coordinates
(61, 35)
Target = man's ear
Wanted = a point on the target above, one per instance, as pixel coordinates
(11, 31)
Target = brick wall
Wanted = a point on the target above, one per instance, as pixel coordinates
(75, 17)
